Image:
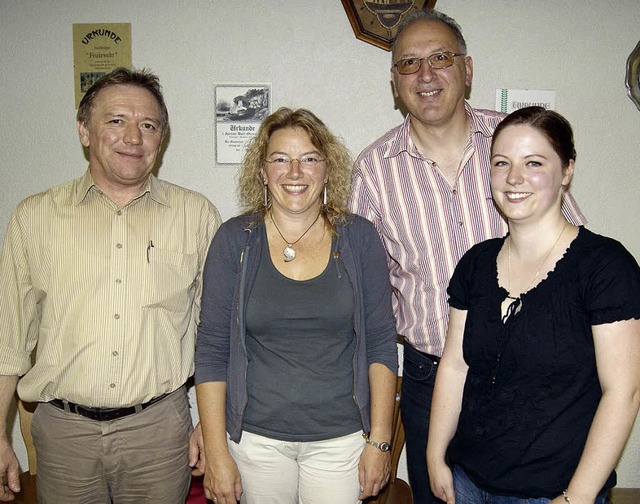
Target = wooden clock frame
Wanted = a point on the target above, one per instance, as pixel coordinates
(376, 21)
(632, 80)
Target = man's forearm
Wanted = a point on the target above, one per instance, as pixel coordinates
(7, 390)
(9, 465)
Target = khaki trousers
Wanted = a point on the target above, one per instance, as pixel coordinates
(135, 459)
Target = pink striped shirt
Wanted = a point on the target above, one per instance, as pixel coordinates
(426, 224)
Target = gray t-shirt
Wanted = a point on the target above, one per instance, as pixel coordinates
(300, 344)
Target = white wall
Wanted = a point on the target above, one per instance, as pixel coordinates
(307, 50)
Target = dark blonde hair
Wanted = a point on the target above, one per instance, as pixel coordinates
(338, 159)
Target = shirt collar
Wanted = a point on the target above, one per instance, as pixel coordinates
(83, 185)
(403, 143)
(477, 124)
(156, 190)
(152, 186)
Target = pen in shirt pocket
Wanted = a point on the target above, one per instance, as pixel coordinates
(149, 247)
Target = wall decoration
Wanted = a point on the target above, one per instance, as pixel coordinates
(240, 108)
(508, 100)
(98, 48)
(376, 21)
(633, 76)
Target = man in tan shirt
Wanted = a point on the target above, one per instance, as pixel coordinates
(103, 273)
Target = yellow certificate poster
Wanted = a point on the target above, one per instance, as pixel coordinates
(98, 48)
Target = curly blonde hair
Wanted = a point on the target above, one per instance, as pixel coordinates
(338, 159)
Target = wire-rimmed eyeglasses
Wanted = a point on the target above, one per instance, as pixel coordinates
(438, 60)
(309, 161)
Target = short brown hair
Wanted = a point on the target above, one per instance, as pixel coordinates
(123, 76)
(427, 14)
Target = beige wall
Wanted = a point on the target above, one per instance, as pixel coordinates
(307, 50)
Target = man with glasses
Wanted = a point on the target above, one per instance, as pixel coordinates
(425, 186)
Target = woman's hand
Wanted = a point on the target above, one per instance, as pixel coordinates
(373, 471)
(441, 481)
(222, 483)
(574, 500)
(445, 407)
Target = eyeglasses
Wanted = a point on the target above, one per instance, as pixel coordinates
(436, 61)
(309, 161)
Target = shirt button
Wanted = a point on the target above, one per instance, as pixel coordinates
(460, 223)
(119, 245)
(114, 353)
(119, 212)
(454, 191)
(118, 281)
(116, 316)
(112, 385)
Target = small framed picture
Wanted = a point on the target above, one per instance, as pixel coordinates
(240, 108)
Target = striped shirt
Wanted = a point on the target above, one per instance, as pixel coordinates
(110, 295)
(426, 224)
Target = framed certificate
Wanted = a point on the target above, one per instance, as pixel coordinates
(240, 108)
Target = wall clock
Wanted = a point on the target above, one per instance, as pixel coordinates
(376, 21)
(633, 76)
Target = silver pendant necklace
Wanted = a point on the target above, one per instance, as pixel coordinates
(289, 253)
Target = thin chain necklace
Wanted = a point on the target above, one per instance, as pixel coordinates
(539, 268)
(289, 253)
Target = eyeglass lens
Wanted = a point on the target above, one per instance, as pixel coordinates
(437, 61)
(305, 161)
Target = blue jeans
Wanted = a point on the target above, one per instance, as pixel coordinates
(468, 493)
(418, 379)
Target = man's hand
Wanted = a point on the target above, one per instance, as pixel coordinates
(196, 452)
(8, 466)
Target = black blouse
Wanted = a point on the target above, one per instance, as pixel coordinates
(532, 387)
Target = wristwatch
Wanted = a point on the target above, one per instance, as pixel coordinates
(385, 447)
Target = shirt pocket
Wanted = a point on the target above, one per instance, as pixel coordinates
(170, 280)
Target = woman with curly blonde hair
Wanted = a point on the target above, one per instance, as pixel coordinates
(338, 163)
(296, 356)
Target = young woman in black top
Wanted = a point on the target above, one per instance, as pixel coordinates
(538, 387)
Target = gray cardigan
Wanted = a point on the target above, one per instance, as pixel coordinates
(230, 270)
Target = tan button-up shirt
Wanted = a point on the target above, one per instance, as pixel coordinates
(111, 296)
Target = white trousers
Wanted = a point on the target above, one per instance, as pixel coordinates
(283, 472)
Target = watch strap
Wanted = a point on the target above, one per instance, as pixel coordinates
(384, 446)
